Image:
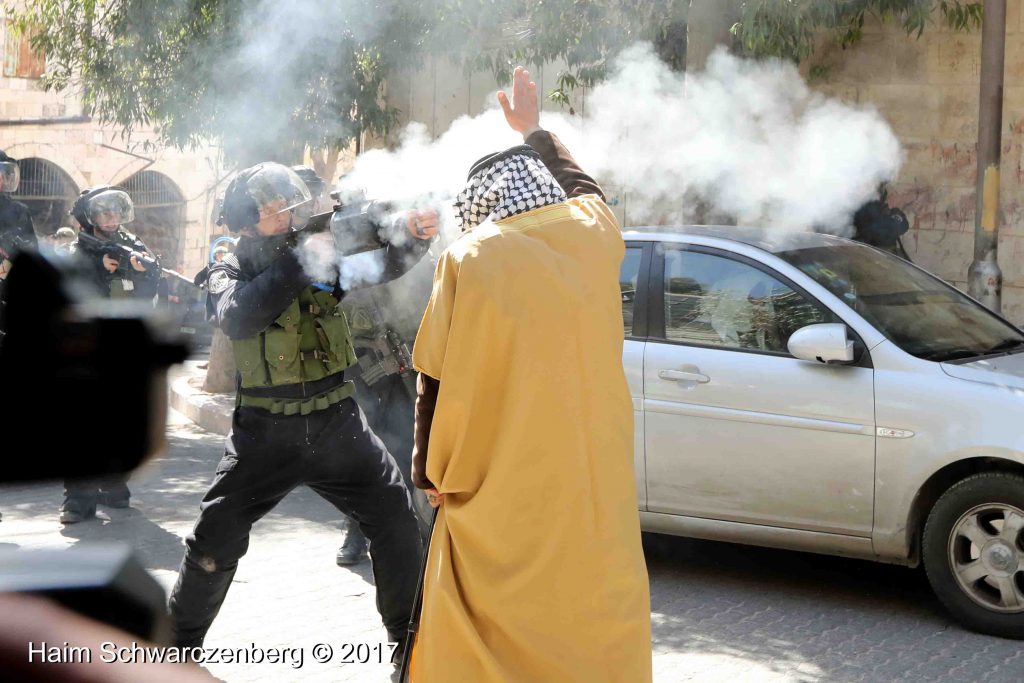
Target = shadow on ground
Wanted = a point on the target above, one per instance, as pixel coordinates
(811, 617)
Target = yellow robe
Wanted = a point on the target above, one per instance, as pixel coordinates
(535, 572)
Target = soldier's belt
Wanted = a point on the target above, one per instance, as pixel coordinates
(297, 406)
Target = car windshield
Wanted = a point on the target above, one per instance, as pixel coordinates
(916, 311)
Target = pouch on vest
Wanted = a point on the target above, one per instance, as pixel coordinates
(249, 361)
(282, 354)
(337, 339)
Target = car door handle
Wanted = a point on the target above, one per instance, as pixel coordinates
(681, 376)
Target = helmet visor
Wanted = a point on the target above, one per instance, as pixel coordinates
(276, 188)
(10, 176)
(110, 209)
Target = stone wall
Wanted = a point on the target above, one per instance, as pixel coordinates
(927, 89)
(92, 154)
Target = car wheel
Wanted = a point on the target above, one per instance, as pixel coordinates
(973, 552)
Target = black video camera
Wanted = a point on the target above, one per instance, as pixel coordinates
(57, 358)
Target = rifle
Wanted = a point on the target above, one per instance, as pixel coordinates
(119, 252)
(123, 254)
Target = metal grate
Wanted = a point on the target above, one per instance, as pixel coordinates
(44, 181)
(159, 214)
(151, 190)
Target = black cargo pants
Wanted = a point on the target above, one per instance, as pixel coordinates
(335, 453)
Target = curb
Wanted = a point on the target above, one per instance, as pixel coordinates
(212, 412)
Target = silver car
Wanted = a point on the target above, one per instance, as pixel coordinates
(807, 392)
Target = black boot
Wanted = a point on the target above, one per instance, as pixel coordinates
(353, 550)
(75, 510)
(114, 494)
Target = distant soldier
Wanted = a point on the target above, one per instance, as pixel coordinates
(117, 261)
(16, 231)
(63, 240)
(881, 226)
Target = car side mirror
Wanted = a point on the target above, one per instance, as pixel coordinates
(823, 343)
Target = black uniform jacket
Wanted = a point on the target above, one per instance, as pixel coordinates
(16, 231)
(250, 289)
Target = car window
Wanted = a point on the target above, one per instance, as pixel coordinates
(915, 310)
(629, 273)
(716, 301)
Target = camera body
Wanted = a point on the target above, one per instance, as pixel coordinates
(73, 371)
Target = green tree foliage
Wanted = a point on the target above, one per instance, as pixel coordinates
(268, 77)
(192, 68)
(789, 29)
(584, 34)
(209, 69)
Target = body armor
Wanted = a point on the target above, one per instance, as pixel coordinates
(308, 342)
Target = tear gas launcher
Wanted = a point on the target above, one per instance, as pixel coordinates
(368, 225)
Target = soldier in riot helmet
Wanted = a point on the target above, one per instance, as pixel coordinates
(116, 261)
(119, 262)
(881, 226)
(16, 232)
(295, 421)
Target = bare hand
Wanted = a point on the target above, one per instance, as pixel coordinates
(110, 263)
(523, 112)
(5, 267)
(422, 224)
(136, 265)
(434, 498)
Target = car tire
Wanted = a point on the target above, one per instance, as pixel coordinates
(973, 552)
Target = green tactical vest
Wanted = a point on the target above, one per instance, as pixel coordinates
(309, 341)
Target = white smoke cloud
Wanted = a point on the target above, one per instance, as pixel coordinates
(745, 140)
(749, 138)
(424, 173)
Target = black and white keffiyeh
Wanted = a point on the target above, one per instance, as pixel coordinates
(516, 181)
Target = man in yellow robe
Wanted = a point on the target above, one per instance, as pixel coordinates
(524, 432)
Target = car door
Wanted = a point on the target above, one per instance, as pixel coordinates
(734, 427)
(633, 276)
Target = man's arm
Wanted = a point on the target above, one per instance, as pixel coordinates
(427, 389)
(242, 309)
(567, 172)
(400, 258)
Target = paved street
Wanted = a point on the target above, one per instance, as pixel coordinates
(721, 612)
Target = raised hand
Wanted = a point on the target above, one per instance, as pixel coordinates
(523, 111)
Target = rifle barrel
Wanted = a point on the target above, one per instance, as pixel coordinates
(168, 271)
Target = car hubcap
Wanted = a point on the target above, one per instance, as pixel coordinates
(986, 553)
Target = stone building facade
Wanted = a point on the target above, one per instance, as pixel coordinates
(63, 151)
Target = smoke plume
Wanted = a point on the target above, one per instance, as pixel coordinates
(745, 141)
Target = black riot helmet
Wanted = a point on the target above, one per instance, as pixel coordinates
(259, 191)
(10, 173)
(315, 183)
(316, 186)
(103, 205)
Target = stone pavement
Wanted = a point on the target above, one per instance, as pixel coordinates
(720, 612)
